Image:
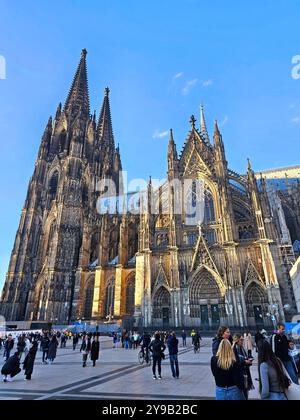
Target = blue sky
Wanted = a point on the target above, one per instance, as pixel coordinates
(161, 59)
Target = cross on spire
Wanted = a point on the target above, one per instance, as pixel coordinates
(193, 121)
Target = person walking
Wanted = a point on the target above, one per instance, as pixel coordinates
(228, 373)
(53, 345)
(172, 343)
(21, 345)
(85, 349)
(280, 347)
(223, 334)
(245, 361)
(248, 345)
(157, 349)
(95, 349)
(272, 380)
(75, 341)
(11, 368)
(183, 336)
(28, 363)
(45, 341)
(8, 346)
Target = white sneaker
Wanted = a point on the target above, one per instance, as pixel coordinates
(4, 379)
(9, 379)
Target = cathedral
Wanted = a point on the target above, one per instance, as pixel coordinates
(71, 262)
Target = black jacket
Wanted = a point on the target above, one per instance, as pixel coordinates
(227, 378)
(95, 350)
(157, 347)
(45, 343)
(12, 365)
(241, 357)
(29, 361)
(86, 345)
(280, 347)
(172, 345)
(216, 343)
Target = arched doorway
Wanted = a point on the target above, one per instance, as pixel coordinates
(89, 298)
(130, 296)
(162, 308)
(205, 300)
(257, 305)
(109, 298)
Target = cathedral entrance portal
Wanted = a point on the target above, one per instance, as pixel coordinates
(162, 308)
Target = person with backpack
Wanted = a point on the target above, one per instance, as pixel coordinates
(272, 379)
(280, 346)
(157, 349)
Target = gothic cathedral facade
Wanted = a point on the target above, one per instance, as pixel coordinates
(69, 262)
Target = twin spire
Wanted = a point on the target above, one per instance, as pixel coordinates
(78, 102)
(78, 98)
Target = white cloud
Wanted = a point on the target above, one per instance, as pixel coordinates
(225, 121)
(189, 86)
(206, 83)
(160, 134)
(177, 76)
(296, 120)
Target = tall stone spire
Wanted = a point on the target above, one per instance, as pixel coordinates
(78, 98)
(203, 128)
(172, 158)
(105, 134)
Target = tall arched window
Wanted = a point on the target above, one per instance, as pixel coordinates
(89, 298)
(130, 296)
(53, 184)
(110, 297)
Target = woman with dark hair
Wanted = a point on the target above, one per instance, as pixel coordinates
(29, 360)
(245, 362)
(52, 349)
(157, 348)
(223, 334)
(272, 380)
(95, 350)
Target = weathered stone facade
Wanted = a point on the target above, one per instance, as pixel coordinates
(69, 262)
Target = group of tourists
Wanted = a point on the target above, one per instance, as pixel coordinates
(278, 364)
(28, 344)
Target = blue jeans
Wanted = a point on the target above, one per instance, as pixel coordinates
(276, 396)
(229, 394)
(291, 371)
(174, 363)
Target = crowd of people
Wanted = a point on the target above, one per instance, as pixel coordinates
(231, 362)
(278, 364)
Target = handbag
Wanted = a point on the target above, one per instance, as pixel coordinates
(293, 391)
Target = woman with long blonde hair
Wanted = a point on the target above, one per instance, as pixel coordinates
(228, 373)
